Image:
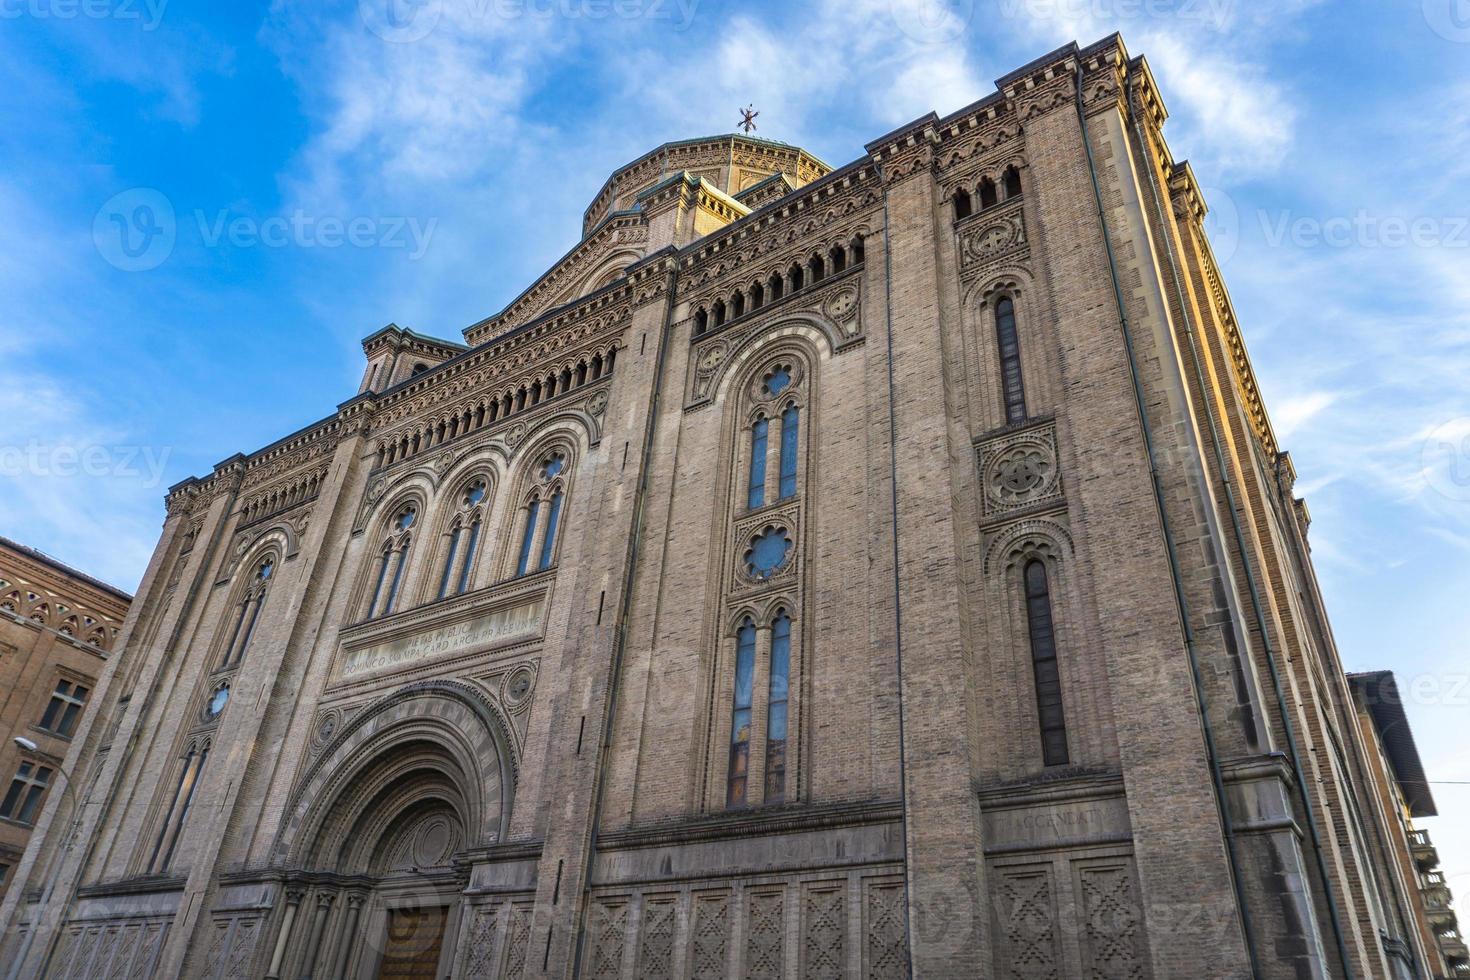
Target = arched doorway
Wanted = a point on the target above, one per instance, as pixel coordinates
(371, 835)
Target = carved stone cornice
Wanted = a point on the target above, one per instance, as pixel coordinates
(622, 230)
(823, 215)
(908, 152)
(754, 823)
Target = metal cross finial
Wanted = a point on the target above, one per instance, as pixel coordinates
(747, 117)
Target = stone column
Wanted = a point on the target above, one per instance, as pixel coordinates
(288, 918)
(348, 934)
(318, 929)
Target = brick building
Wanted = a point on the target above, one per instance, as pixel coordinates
(57, 626)
(817, 572)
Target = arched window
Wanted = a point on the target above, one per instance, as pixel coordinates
(961, 204)
(1012, 182)
(1013, 391)
(758, 436)
(757, 296)
(819, 268)
(701, 321)
(388, 581)
(459, 562)
(738, 774)
(775, 282)
(1044, 664)
(737, 304)
(858, 251)
(987, 193)
(839, 259)
(249, 614)
(776, 709)
(719, 312)
(544, 520)
(789, 425)
(796, 277)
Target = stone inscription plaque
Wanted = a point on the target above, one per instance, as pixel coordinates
(513, 622)
(1062, 823)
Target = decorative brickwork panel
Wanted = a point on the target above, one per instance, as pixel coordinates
(1019, 470)
(886, 955)
(1026, 924)
(764, 935)
(479, 958)
(606, 940)
(656, 951)
(517, 943)
(1112, 947)
(242, 948)
(824, 932)
(710, 937)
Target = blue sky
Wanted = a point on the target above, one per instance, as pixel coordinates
(332, 167)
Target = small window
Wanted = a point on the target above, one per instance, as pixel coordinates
(420, 368)
(1044, 665)
(1013, 391)
(24, 796)
(987, 194)
(64, 709)
(523, 563)
(776, 709)
(217, 702)
(1012, 182)
(756, 496)
(738, 774)
(961, 204)
(790, 421)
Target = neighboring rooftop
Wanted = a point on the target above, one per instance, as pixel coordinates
(63, 567)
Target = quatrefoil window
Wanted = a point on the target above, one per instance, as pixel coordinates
(474, 493)
(777, 380)
(217, 702)
(768, 552)
(405, 518)
(554, 464)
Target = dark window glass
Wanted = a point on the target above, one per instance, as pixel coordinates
(735, 791)
(1010, 361)
(26, 789)
(789, 425)
(184, 811)
(524, 564)
(64, 709)
(776, 714)
(448, 575)
(548, 543)
(1044, 665)
(399, 561)
(378, 585)
(757, 495)
(469, 557)
(1012, 182)
(961, 205)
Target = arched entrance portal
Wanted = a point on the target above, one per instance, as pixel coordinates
(371, 835)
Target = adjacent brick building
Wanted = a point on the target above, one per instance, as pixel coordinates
(875, 571)
(57, 626)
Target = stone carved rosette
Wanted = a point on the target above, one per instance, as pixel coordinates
(1019, 472)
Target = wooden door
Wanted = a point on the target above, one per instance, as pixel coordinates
(415, 937)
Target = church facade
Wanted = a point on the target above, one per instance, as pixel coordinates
(878, 571)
